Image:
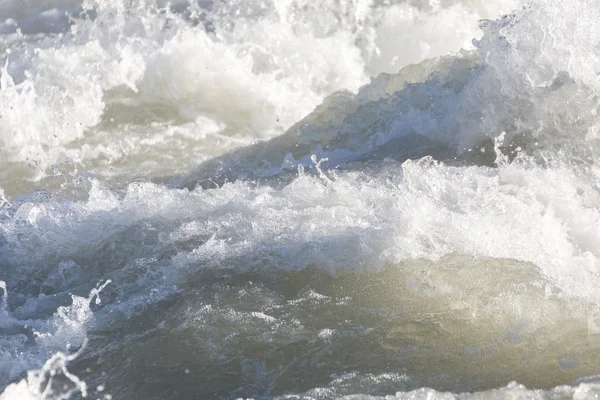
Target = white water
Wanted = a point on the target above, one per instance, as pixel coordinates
(140, 92)
(145, 147)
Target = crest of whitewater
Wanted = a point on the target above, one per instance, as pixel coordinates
(299, 199)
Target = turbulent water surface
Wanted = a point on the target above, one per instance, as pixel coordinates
(299, 199)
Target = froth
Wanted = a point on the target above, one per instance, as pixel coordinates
(350, 220)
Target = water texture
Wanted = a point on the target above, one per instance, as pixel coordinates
(294, 199)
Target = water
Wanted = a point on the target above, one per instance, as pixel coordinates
(296, 199)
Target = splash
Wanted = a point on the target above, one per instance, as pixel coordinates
(67, 328)
(52, 381)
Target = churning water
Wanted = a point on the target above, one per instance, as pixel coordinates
(299, 199)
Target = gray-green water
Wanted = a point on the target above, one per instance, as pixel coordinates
(455, 325)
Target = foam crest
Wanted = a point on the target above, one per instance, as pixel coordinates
(518, 85)
(363, 220)
(127, 82)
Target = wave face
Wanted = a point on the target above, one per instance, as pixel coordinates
(297, 199)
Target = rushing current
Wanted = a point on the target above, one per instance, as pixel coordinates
(299, 199)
